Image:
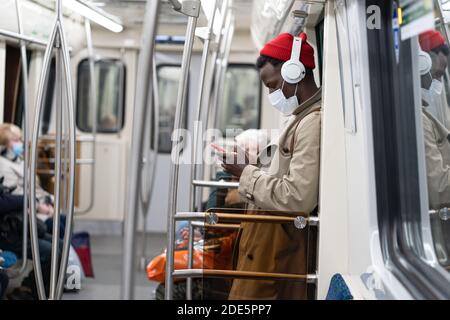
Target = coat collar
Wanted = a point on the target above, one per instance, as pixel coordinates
(443, 131)
(316, 97)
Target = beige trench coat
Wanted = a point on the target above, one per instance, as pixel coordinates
(437, 153)
(290, 184)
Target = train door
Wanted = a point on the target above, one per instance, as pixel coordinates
(114, 92)
(168, 69)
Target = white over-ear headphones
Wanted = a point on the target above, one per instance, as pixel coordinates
(425, 62)
(293, 71)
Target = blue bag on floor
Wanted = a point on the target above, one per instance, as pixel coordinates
(338, 289)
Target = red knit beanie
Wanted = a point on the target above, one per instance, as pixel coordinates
(430, 40)
(280, 48)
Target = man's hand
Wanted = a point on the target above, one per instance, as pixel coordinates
(235, 162)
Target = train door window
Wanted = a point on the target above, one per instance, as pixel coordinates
(48, 98)
(13, 91)
(168, 79)
(241, 108)
(411, 151)
(320, 38)
(110, 84)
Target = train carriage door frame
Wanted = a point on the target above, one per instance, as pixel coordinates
(397, 152)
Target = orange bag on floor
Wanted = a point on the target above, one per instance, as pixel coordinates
(156, 269)
(205, 258)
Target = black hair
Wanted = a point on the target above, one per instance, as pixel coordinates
(262, 60)
(442, 48)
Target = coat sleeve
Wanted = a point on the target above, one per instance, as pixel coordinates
(438, 171)
(298, 189)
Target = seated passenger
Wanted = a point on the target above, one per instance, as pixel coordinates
(291, 182)
(11, 160)
(12, 171)
(11, 231)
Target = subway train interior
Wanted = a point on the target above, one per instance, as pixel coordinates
(224, 150)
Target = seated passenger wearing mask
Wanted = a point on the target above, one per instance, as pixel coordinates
(432, 64)
(291, 182)
(11, 161)
(12, 172)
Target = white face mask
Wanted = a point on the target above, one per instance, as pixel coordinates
(285, 105)
(432, 97)
(436, 86)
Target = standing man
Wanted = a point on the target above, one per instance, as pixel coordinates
(292, 181)
(433, 64)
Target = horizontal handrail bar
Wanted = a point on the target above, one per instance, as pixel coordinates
(234, 274)
(213, 218)
(220, 184)
(87, 161)
(17, 36)
(443, 213)
(83, 138)
(200, 224)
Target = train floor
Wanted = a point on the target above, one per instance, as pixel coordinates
(107, 256)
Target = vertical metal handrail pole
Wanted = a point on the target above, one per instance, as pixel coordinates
(216, 53)
(72, 160)
(94, 110)
(218, 101)
(442, 20)
(55, 233)
(143, 80)
(155, 126)
(174, 169)
(198, 119)
(199, 128)
(65, 87)
(33, 159)
(190, 261)
(59, 133)
(24, 65)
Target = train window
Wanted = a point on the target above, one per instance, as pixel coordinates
(320, 37)
(435, 91)
(110, 84)
(411, 152)
(241, 99)
(168, 80)
(48, 98)
(14, 94)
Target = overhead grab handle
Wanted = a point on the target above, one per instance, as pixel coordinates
(190, 8)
